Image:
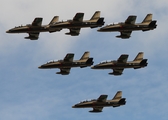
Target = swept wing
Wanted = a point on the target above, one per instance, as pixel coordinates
(78, 17)
(122, 59)
(33, 36)
(69, 57)
(74, 32)
(129, 21)
(64, 71)
(37, 22)
(102, 98)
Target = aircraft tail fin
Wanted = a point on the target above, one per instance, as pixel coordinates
(85, 56)
(54, 20)
(139, 57)
(118, 95)
(95, 16)
(147, 19)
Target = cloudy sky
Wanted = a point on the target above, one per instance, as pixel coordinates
(29, 93)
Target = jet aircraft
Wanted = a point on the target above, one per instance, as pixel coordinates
(68, 62)
(77, 23)
(35, 28)
(119, 65)
(98, 104)
(129, 25)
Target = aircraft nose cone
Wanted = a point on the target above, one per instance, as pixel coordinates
(7, 31)
(39, 67)
(99, 30)
(92, 67)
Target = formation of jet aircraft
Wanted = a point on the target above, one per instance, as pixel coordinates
(74, 25)
(98, 104)
(67, 63)
(122, 63)
(35, 28)
(129, 25)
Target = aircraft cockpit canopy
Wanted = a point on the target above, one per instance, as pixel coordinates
(70, 20)
(28, 25)
(89, 100)
(52, 61)
(114, 23)
(105, 61)
(18, 26)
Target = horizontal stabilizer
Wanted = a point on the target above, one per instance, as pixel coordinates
(101, 21)
(153, 24)
(122, 101)
(90, 61)
(144, 62)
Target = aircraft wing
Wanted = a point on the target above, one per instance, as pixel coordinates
(78, 17)
(131, 19)
(96, 109)
(122, 59)
(117, 71)
(74, 32)
(37, 22)
(64, 71)
(33, 36)
(102, 98)
(69, 57)
(125, 34)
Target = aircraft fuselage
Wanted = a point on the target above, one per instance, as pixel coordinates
(75, 25)
(28, 29)
(125, 27)
(115, 65)
(63, 65)
(91, 104)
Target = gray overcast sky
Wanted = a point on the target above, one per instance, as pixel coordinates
(29, 93)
